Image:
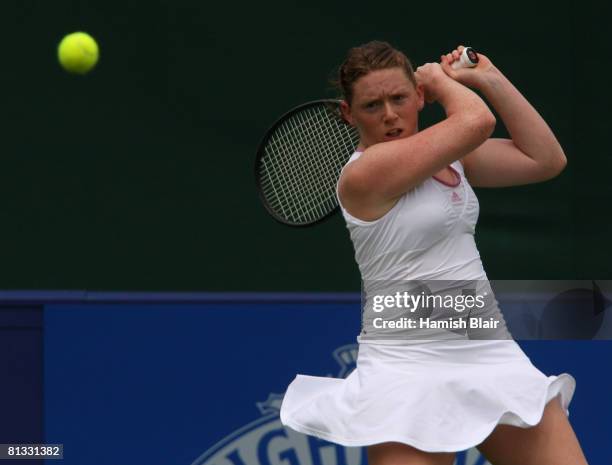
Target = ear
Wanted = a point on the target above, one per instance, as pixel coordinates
(420, 90)
(345, 109)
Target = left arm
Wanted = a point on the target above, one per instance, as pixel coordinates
(533, 153)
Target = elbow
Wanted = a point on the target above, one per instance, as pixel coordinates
(558, 163)
(481, 125)
(487, 122)
(553, 166)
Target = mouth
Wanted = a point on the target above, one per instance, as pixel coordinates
(393, 134)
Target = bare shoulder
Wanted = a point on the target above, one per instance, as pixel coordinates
(362, 203)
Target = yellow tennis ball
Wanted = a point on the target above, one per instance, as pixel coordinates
(78, 52)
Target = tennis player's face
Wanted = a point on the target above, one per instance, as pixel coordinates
(385, 106)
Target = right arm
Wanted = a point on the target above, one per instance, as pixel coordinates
(371, 185)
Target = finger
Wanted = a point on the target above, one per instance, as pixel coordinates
(456, 54)
(446, 66)
(449, 57)
(460, 49)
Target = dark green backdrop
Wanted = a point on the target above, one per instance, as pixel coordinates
(139, 175)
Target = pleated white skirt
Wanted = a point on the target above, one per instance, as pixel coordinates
(437, 396)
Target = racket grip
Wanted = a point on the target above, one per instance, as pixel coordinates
(468, 59)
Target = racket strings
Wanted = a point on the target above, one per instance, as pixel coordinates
(333, 165)
(316, 130)
(287, 174)
(305, 203)
(303, 168)
(302, 163)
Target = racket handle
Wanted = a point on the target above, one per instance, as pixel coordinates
(468, 59)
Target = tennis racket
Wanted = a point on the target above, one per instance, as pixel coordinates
(299, 160)
(300, 157)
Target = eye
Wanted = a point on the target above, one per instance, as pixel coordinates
(399, 98)
(372, 105)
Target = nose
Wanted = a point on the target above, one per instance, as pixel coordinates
(390, 114)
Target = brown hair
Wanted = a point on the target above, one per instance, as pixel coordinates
(374, 55)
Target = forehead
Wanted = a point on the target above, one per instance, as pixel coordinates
(381, 82)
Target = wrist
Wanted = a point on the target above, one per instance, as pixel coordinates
(489, 80)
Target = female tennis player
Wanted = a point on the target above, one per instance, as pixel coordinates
(419, 395)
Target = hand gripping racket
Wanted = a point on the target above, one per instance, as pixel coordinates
(300, 157)
(467, 59)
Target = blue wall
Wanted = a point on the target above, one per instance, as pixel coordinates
(182, 383)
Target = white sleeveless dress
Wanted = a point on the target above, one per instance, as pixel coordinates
(436, 390)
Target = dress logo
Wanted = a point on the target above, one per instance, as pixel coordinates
(265, 441)
(455, 197)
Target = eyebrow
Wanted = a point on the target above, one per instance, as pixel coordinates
(367, 101)
(403, 91)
